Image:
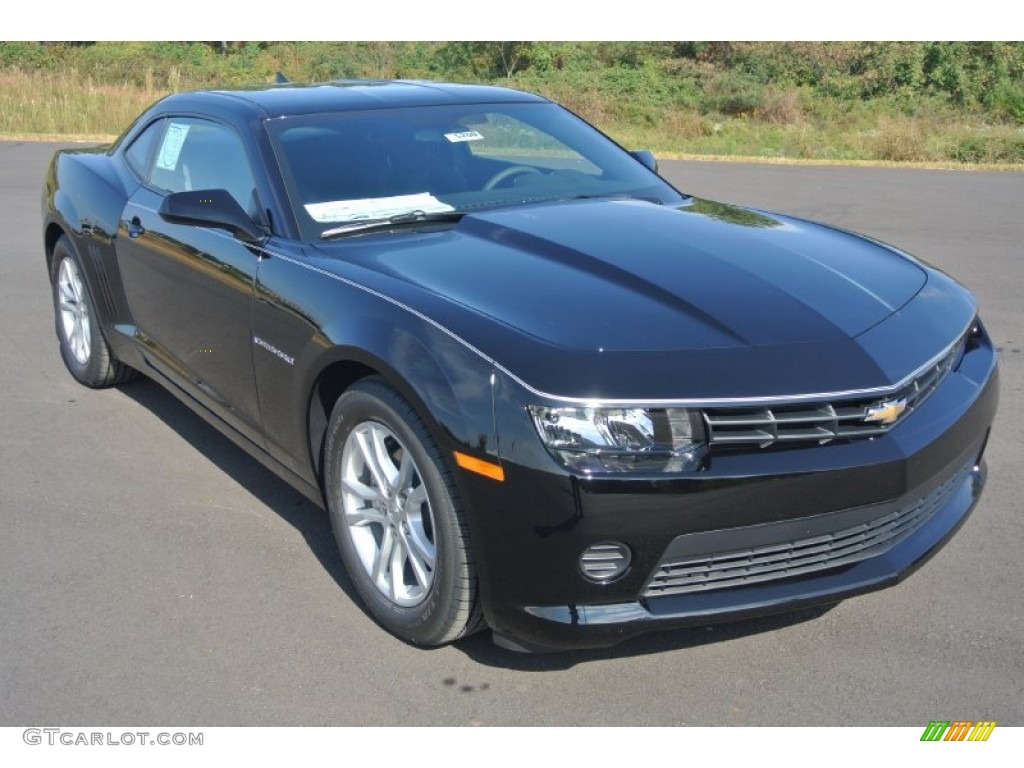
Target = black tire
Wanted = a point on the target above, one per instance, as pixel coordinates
(83, 348)
(428, 614)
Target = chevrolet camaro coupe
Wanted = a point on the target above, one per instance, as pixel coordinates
(535, 387)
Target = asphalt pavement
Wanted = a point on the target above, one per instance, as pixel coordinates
(152, 573)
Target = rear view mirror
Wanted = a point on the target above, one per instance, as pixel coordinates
(646, 157)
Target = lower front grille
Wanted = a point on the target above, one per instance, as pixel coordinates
(786, 559)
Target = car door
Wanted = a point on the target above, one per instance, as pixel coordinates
(190, 288)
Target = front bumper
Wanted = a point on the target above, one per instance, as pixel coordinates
(576, 626)
(532, 529)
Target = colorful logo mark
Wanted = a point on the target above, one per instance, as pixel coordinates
(958, 730)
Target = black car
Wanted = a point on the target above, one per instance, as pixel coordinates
(535, 387)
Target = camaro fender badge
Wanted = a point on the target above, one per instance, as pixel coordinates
(273, 350)
(886, 412)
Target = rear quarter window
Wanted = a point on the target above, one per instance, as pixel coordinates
(140, 152)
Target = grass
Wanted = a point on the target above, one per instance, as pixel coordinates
(66, 104)
(878, 137)
(788, 124)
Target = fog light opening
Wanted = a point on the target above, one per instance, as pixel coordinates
(605, 562)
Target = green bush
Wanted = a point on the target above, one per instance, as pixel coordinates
(1008, 97)
(989, 149)
(732, 93)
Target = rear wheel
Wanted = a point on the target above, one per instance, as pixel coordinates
(82, 346)
(397, 519)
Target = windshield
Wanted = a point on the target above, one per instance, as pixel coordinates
(348, 167)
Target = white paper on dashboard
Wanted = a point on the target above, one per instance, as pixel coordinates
(455, 138)
(170, 150)
(375, 207)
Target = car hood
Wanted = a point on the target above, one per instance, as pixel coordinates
(633, 283)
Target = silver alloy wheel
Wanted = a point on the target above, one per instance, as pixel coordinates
(388, 513)
(74, 313)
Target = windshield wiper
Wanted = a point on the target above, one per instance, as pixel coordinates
(410, 217)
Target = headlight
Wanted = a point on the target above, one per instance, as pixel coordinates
(622, 439)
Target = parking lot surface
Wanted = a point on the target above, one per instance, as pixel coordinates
(153, 573)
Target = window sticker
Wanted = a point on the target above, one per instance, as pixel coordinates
(170, 150)
(375, 207)
(464, 136)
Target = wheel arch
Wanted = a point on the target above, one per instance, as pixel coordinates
(54, 232)
(341, 367)
(330, 383)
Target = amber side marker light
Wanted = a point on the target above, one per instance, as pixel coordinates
(485, 468)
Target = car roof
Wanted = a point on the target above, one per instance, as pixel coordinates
(342, 95)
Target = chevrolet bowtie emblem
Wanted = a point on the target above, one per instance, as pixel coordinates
(886, 412)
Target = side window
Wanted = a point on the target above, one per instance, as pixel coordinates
(141, 150)
(200, 154)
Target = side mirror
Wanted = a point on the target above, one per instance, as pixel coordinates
(646, 157)
(210, 208)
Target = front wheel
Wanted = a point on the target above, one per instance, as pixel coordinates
(397, 519)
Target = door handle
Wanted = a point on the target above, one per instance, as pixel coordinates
(135, 228)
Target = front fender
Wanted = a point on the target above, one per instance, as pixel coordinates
(343, 332)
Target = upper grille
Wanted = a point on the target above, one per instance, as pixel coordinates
(782, 560)
(823, 422)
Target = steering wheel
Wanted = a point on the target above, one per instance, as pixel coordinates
(505, 173)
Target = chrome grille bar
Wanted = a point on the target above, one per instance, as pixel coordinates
(822, 422)
(783, 560)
